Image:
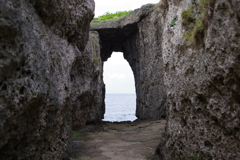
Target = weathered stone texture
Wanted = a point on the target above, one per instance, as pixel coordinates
(138, 38)
(65, 18)
(149, 82)
(41, 43)
(202, 86)
(87, 83)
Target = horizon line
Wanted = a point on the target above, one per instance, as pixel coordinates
(120, 93)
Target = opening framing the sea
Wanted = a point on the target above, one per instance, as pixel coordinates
(120, 107)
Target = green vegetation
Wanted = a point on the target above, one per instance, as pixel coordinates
(94, 34)
(195, 156)
(195, 20)
(151, 4)
(187, 35)
(96, 47)
(108, 15)
(75, 133)
(96, 60)
(187, 16)
(198, 30)
(172, 22)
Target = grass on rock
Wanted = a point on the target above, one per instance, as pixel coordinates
(195, 20)
(108, 15)
(75, 133)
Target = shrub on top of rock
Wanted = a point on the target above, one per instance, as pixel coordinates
(195, 21)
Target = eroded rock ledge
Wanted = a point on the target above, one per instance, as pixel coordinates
(114, 32)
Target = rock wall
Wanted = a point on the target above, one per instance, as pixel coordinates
(149, 83)
(42, 43)
(87, 85)
(143, 52)
(202, 83)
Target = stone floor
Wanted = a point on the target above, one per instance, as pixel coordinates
(118, 141)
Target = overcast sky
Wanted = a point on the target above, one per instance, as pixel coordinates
(103, 6)
(118, 75)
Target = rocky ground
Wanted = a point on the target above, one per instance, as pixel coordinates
(120, 140)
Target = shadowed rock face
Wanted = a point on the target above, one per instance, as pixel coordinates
(42, 52)
(202, 85)
(137, 38)
(87, 92)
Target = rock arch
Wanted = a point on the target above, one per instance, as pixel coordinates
(126, 35)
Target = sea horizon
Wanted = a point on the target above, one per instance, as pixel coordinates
(120, 93)
(120, 107)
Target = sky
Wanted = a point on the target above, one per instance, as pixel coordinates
(103, 6)
(117, 75)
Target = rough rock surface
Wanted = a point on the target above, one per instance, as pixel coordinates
(87, 84)
(149, 69)
(202, 85)
(41, 43)
(138, 39)
(65, 18)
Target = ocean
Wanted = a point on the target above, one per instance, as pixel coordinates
(120, 107)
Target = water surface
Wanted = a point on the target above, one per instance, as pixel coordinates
(120, 107)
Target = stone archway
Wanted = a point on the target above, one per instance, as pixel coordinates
(120, 97)
(125, 35)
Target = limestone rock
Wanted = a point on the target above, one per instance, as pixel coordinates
(202, 85)
(41, 45)
(87, 82)
(149, 70)
(114, 32)
(132, 18)
(65, 18)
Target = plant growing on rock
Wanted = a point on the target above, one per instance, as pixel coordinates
(108, 15)
(195, 156)
(187, 16)
(195, 20)
(75, 133)
(96, 60)
(151, 4)
(173, 22)
(95, 45)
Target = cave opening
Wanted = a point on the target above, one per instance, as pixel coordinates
(120, 98)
